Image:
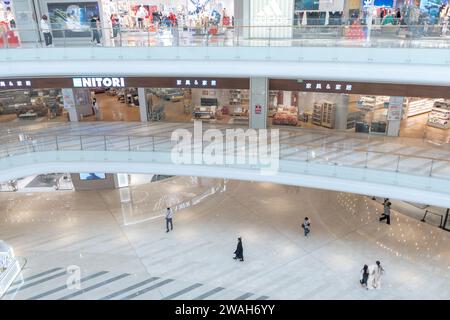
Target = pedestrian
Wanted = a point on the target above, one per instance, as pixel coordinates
(115, 24)
(95, 30)
(387, 212)
(169, 217)
(96, 109)
(239, 253)
(364, 276)
(306, 225)
(46, 31)
(379, 270)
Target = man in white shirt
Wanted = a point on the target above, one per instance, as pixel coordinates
(169, 217)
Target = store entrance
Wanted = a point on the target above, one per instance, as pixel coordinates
(112, 104)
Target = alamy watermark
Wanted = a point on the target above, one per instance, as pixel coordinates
(258, 148)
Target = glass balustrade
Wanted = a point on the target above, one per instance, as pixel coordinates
(352, 33)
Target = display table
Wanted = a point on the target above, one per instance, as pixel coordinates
(28, 115)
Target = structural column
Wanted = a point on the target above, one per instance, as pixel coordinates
(69, 104)
(143, 105)
(394, 116)
(259, 99)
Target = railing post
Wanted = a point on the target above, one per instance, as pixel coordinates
(367, 159)
(129, 144)
(57, 146)
(270, 34)
(153, 143)
(120, 36)
(398, 163)
(104, 140)
(431, 167)
(81, 143)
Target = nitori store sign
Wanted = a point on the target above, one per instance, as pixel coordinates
(98, 82)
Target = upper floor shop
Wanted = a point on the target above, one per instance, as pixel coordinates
(343, 23)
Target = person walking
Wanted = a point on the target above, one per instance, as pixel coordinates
(387, 212)
(306, 225)
(364, 276)
(169, 217)
(96, 109)
(379, 270)
(46, 31)
(239, 253)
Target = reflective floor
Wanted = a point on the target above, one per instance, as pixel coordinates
(118, 239)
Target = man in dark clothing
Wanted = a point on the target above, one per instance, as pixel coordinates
(95, 31)
(239, 250)
(387, 212)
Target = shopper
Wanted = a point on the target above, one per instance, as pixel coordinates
(10, 18)
(364, 276)
(95, 30)
(96, 109)
(379, 270)
(387, 212)
(115, 25)
(239, 253)
(46, 31)
(140, 15)
(306, 225)
(169, 217)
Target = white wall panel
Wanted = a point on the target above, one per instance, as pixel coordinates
(266, 13)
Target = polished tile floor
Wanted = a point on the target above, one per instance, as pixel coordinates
(118, 239)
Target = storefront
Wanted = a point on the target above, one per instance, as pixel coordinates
(72, 20)
(171, 99)
(213, 100)
(376, 108)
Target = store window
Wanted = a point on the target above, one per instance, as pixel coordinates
(417, 117)
(227, 106)
(345, 112)
(37, 105)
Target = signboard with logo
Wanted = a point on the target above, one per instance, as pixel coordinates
(98, 82)
(395, 108)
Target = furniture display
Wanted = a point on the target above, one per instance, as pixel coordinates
(439, 116)
(328, 114)
(286, 115)
(317, 114)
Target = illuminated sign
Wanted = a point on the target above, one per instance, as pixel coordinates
(98, 82)
(15, 83)
(196, 83)
(327, 86)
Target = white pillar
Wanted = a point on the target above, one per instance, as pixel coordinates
(143, 107)
(394, 116)
(259, 100)
(69, 104)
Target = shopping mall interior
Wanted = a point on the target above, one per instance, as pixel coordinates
(224, 150)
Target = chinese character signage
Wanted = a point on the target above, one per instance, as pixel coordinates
(330, 86)
(196, 83)
(15, 84)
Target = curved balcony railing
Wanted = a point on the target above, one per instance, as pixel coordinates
(352, 157)
(314, 33)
